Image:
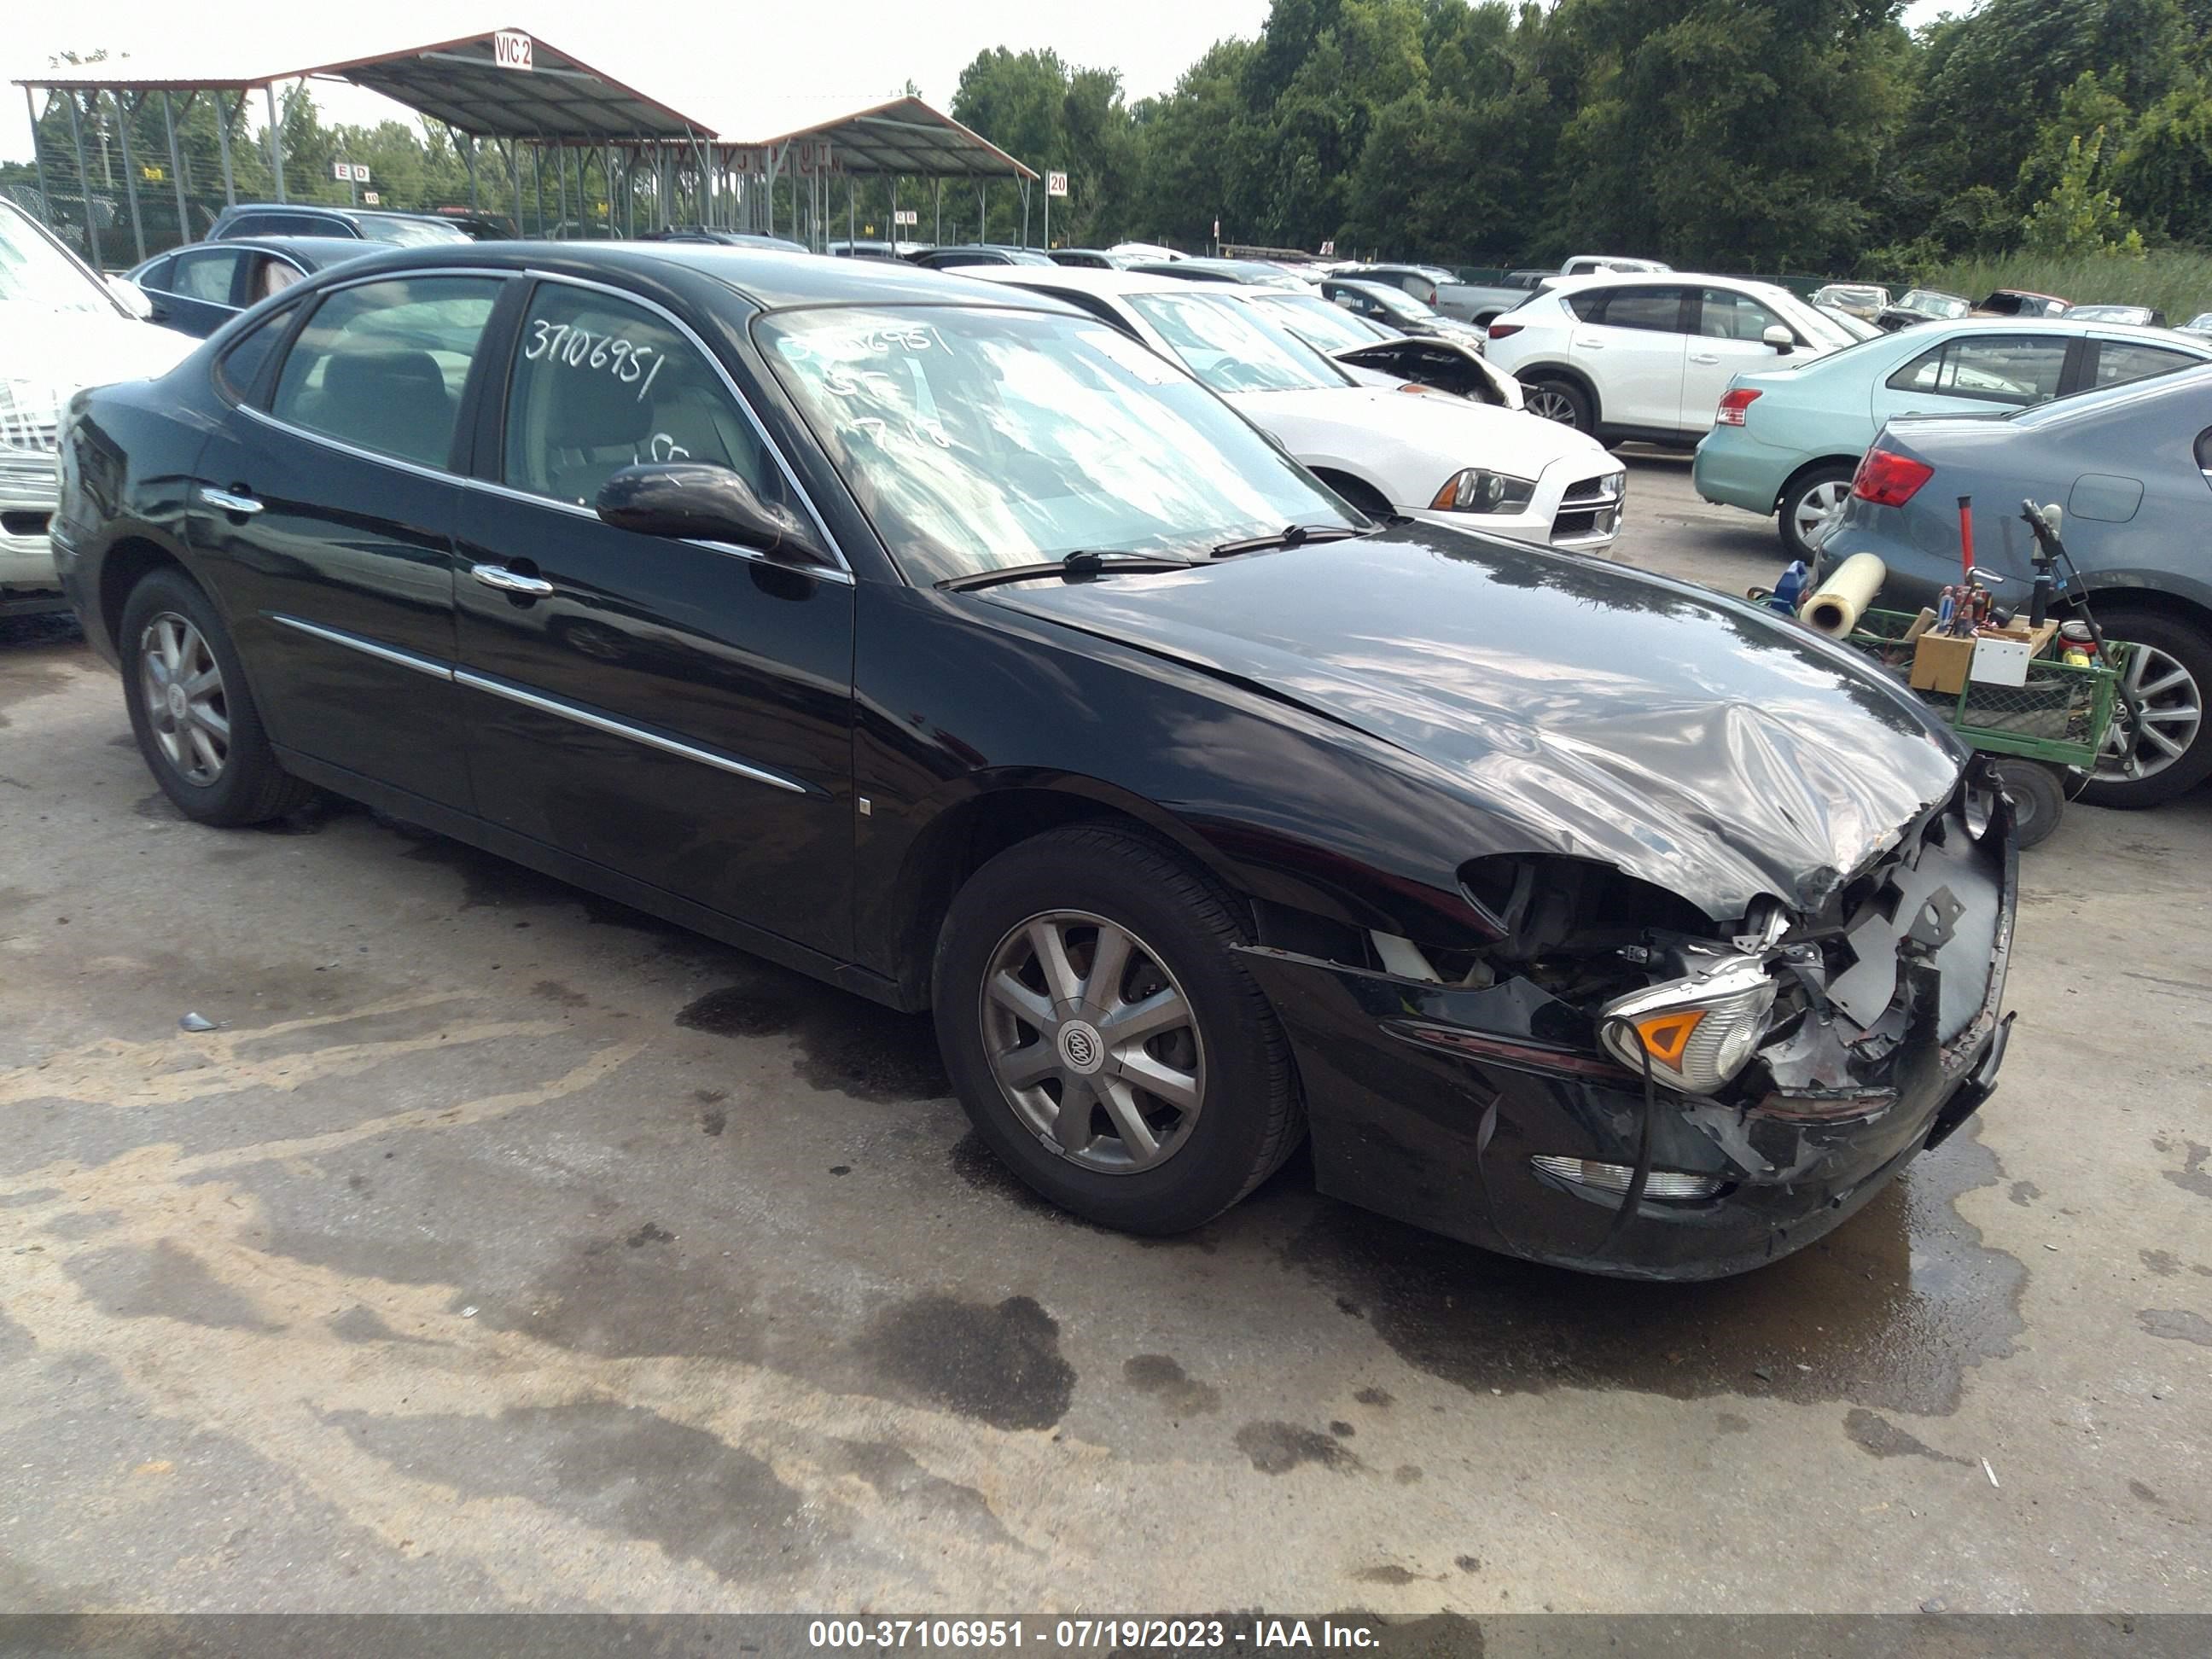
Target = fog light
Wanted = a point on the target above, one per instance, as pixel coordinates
(1615, 1177)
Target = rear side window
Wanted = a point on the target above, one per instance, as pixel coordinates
(238, 371)
(600, 384)
(1997, 368)
(156, 275)
(2119, 362)
(382, 365)
(1657, 309)
(206, 275)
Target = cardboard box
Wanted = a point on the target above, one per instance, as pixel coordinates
(1940, 662)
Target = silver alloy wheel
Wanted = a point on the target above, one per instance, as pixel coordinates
(1093, 1043)
(182, 690)
(1548, 402)
(1818, 507)
(2173, 713)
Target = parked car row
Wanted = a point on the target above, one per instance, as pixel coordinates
(955, 641)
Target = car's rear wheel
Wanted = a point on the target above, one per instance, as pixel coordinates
(2168, 752)
(1812, 501)
(191, 713)
(1102, 1036)
(1559, 400)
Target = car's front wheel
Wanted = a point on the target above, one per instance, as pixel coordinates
(190, 711)
(1102, 1036)
(2169, 751)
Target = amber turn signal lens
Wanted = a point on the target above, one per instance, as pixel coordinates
(1666, 1035)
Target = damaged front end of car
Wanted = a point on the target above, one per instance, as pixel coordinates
(1614, 1083)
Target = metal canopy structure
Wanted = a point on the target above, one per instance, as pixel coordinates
(904, 137)
(516, 91)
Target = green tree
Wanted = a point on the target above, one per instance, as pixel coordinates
(2079, 216)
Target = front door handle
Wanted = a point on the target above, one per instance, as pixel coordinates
(1704, 357)
(510, 581)
(228, 501)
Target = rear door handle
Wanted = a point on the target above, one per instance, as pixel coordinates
(1587, 343)
(509, 581)
(227, 501)
(1703, 358)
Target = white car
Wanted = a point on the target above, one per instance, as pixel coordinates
(61, 328)
(1646, 355)
(1446, 459)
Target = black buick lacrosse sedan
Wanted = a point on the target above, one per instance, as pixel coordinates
(947, 644)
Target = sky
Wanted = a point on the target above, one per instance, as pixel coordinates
(745, 71)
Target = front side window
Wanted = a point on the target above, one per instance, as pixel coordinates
(206, 276)
(978, 439)
(1992, 367)
(382, 365)
(1724, 314)
(600, 384)
(2121, 361)
(1221, 341)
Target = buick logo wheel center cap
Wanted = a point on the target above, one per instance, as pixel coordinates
(177, 702)
(1081, 1049)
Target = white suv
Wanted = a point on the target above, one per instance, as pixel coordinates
(1646, 357)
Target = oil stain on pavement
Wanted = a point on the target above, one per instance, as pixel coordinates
(1000, 1365)
(848, 1046)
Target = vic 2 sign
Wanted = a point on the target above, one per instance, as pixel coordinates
(510, 49)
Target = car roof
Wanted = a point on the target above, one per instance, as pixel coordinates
(1089, 279)
(307, 247)
(768, 279)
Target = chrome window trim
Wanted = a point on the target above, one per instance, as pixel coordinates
(391, 654)
(721, 372)
(651, 739)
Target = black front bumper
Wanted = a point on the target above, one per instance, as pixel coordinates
(1427, 1103)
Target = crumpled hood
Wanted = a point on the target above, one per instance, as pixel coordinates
(46, 355)
(1693, 741)
(1437, 435)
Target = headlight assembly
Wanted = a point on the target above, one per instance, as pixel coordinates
(1698, 1032)
(1477, 489)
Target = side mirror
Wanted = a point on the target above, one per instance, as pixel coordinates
(696, 502)
(1780, 338)
(131, 297)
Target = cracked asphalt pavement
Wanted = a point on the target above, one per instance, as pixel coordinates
(502, 1249)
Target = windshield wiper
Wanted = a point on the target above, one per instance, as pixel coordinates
(1293, 535)
(1081, 562)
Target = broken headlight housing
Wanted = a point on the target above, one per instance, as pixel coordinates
(1696, 1032)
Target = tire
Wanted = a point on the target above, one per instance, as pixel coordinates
(2174, 648)
(1800, 497)
(1368, 499)
(204, 744)
(1014, 1053)
(2039, 797)
(1562, 401)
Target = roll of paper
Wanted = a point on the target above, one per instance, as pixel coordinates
(1835, 610)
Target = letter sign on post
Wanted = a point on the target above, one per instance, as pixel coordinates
(510, 49)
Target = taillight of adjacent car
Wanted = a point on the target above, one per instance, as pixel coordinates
(1504, 331)
(1888, 479)
(1733, 404)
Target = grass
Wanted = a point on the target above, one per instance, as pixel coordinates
(2177, 281)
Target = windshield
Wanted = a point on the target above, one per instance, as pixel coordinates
(1222, 342)
(410, 233)
(1929, 303)
(1398, 302)
(1321, 323)
(1815, 324)
(34, 271)
(978, 439)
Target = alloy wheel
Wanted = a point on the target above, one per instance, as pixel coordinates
(1548, 402)
(181, 689)
(1093, 1041)
(2172, 706)
(1818, 508)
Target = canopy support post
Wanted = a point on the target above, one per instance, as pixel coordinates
(225, 113)
(176, 169)
(275, 140)
(84, 181)
(129, 174)
(469, 153)
(39, 158)
(938, 230)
